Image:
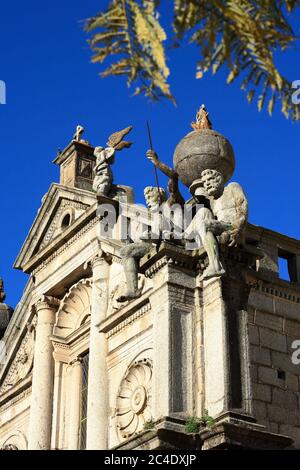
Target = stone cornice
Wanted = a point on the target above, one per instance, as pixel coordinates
(16, 393)
(259, 233)
(281, 289)
(68, 342)
(125, 315)
(168, 253)
(134, 316)
(74, 145)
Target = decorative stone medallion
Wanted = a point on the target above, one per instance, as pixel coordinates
(22, 364)
(134, 399)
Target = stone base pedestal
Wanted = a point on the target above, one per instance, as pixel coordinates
(234, 434)
(242, 436)
(168, 433)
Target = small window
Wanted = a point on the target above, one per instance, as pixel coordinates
(66, 221)
(283, 269)
(84, 392)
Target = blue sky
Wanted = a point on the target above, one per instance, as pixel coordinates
(52, 86)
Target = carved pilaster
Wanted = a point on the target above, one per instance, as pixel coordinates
(225, 300)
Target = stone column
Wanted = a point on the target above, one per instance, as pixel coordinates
(74, 395)
(97, 407)
(39, 435)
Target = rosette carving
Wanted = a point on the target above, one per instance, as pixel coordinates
(134, 399)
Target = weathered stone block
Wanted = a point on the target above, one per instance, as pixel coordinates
(284, 399)
(254, 373)
(253, 334)
(287, 308)
(261, 301)
(281, 415)
(292, 382)
(283, 361)
(268, 375)
(273, 340)
(259, 410)
(275, 322)
(262, 392)
(250, 315)
(260, 355)
(292, 328)
(268, 265)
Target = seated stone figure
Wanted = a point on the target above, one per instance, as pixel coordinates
(223, 214)
(166, 220)
(133, 252)
(166, 224)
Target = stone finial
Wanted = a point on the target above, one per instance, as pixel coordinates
(2, 293)
(202, 120)
(78, 134)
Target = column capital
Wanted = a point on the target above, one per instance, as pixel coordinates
(75, 361)
(46, 302)
(100, 258)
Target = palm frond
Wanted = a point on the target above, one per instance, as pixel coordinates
(128, 35)
(245, 37)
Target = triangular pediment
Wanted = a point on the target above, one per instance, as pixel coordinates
(61, 207)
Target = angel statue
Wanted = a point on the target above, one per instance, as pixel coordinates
(105, 157)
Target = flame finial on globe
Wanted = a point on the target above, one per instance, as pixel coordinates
(203, 149)
(202, 120)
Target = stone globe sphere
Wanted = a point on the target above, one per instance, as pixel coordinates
(201, 150)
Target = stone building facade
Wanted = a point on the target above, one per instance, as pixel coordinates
(83, 371)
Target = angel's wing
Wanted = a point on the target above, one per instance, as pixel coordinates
(123, 145)
(116, 138)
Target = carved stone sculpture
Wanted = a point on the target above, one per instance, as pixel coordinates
(133, 409)
(133, 252)
(171, 229)
(201, 149)
(174, 194)
(23, 361)
(105, 157)
(223, 215)
(9, 447)
(5, 311)
(2, 293)
(159, 205)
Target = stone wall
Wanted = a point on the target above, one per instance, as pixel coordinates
(274, 323)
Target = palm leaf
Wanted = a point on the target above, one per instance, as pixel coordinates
(241, 35)
(128, 35)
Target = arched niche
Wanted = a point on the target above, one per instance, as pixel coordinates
(16, 441)
(75, 308)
